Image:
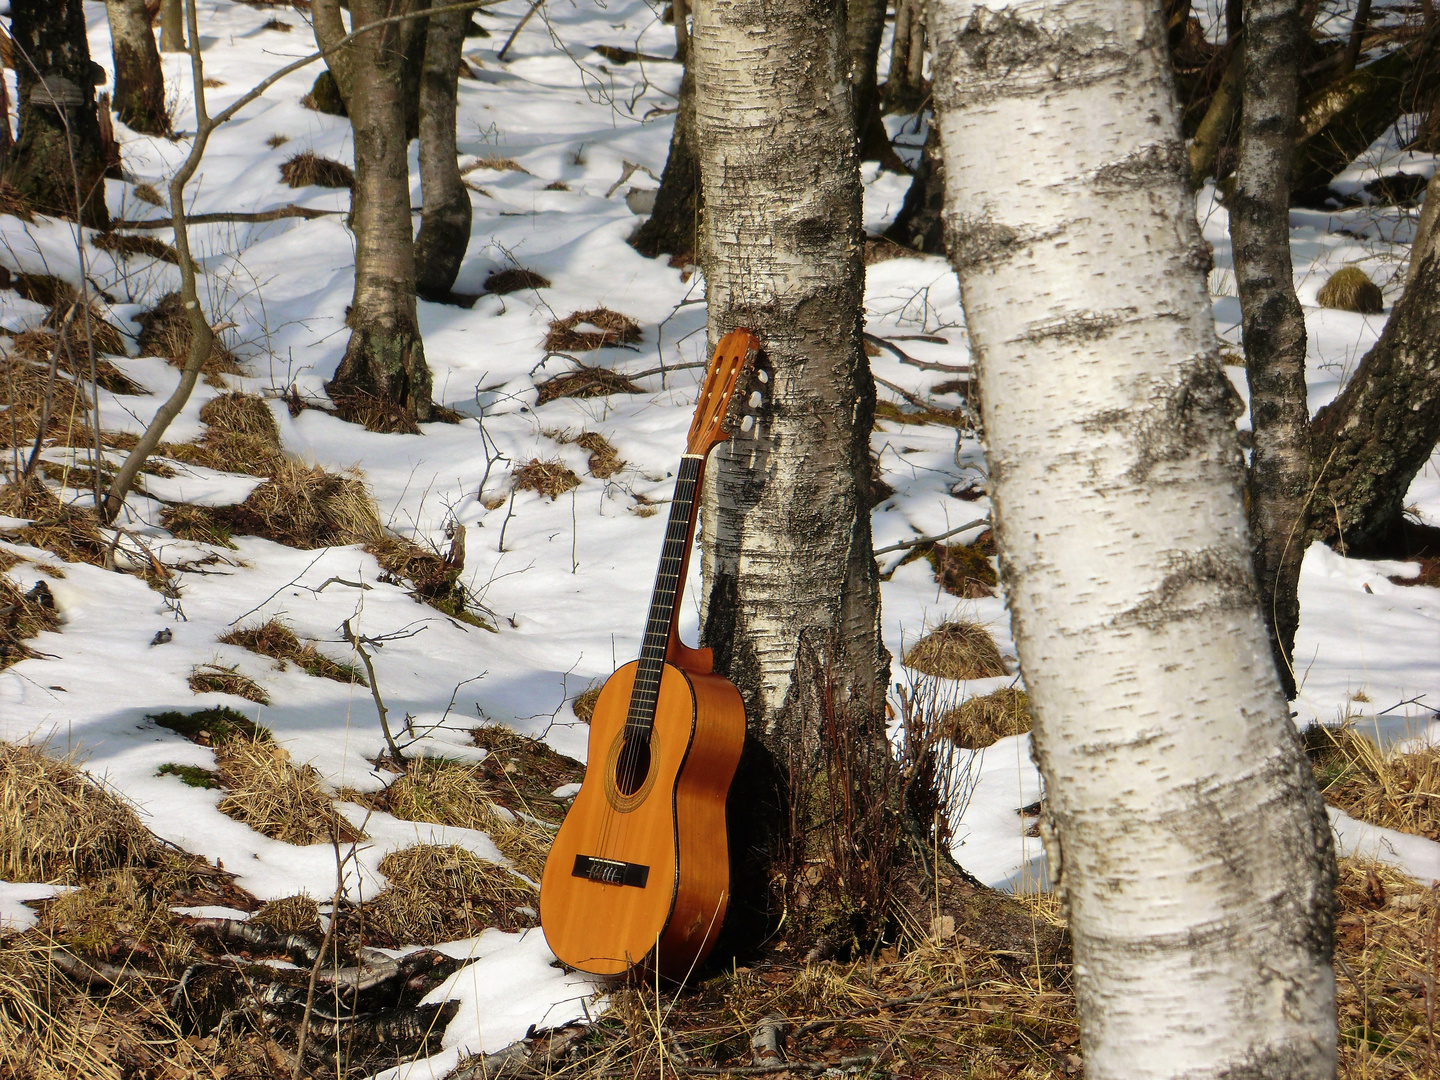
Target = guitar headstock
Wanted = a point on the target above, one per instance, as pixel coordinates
(723, 392)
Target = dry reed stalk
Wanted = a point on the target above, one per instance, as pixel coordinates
(57, 825)
(443, 893)
(269, 793)
(980, 721)
(957, 650)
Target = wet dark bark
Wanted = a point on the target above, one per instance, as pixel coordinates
(59, 157)
(445, 226)
(1272, 323)
(919, 224)
(864, 27)
(904, 86)
(673, 227)
(1357, 36)
(383, 379)
(139, 84)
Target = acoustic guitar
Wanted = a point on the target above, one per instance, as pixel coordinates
(639, 873)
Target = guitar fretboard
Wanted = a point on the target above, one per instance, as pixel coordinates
(641, 716)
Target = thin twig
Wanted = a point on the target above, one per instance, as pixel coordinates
(290, 210)
(906, 358)
(534, 7)
(892, 1003)
(354, 641)
(931, 539)
(319, 959)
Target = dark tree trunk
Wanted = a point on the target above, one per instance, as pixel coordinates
(1219, 115)
(1369, 443)
(1272, 322)
(445, 226)
(919, 224)
(58, 149)
(1357, 36)
(413, 35)
(172, 26)
(139, 84)
(383, 380)
(673, 227)
(904, 86)
(864, 27)
(329, 27)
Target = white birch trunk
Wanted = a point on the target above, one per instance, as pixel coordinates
(1184, 827)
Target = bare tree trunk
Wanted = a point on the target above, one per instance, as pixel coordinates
(674, 223)
(1185, 831)
(329, 27)
(58, 150)
(1424, 229)
(445, 227)
(864, 27)
(1215, 124)
(903, 89)
(1272, 323)
(383, 380)
(139, 85)
(172, 26)
(680, 13)
(412, 45)
(1357, 37)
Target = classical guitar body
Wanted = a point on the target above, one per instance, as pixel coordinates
(643, 875)
(639, 874)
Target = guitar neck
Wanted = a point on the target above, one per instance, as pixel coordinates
(665, 599)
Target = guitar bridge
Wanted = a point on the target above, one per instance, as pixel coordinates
(610, 871)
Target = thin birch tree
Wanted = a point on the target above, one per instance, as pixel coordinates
(139, 84)
(1183, 826)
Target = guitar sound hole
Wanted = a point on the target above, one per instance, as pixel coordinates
(633, 765)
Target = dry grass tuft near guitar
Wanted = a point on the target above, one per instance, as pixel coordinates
(639, 874)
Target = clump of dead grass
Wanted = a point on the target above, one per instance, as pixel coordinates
(218, 679)
(958, 649)
(308, 169)
(72, 533)
(241, 434)
(502, 282)
(146, 193)
(23, 614)
(127, 244)
(584, 703)
(440, 892)
(276, 640)
(116, 912)
(165, 332)
(965, 570)
(495, 164)
(198, 523)
(58, 825)
(978, 722)
(1393, 790)
(585, 382)
(596, 328)
(271, 794)
(552, 478)
(1350, 289)
(605, 460)
(299, 914)
(526, 771)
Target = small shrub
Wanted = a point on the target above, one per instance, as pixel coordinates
(980, 721)
(606, 328)
(957, 650)
(307, 169)
(605, 462)
(215, 679)
(269, 793)
(550, 478)
(443, 893)
(509, 281)
(274, 639)
(1350, 289)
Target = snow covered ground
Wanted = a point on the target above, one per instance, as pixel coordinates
(570, 581)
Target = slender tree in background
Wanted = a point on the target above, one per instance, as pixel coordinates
(787, 560)
(864, 27)
(58, 162)
(445, 225)
(674, 223)
(139, 83)
(383, 379)
(1184, 828)
(1272, 322)
(172, 26)
(904, 85)
(329, 26)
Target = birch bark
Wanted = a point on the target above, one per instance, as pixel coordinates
(787, 529)
(139, 84)
(1184, 826)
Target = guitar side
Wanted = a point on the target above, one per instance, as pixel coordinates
(673, 836)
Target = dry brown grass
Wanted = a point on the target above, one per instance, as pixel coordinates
(502, 282)
(146, 193)
(24, 613)
(127, 244)
(965, 570)
(980, 721)
(70, 532)
(584, 703)
(58, 825)
(165, 332)
(605, 328)
(439, 892)
(307, 169)
(272, 795)
(197, 523)
(241, 435)
(218, 679)
(585, 382)
(274, 639)
(552, 478)
(1395, 790)
(957, 650)
(302, 506)
(1350, 289)
(298, 914)
(495, 164)
(112, 913)
(277, 140)
(605, 460)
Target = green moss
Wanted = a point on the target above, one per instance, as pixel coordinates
(209, 726)
(190, 775)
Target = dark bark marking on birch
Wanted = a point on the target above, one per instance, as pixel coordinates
(1217, 574)
(1009, 55)
(1150, 165)
(1080, 326)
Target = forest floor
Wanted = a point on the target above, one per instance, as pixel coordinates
(210, 846)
